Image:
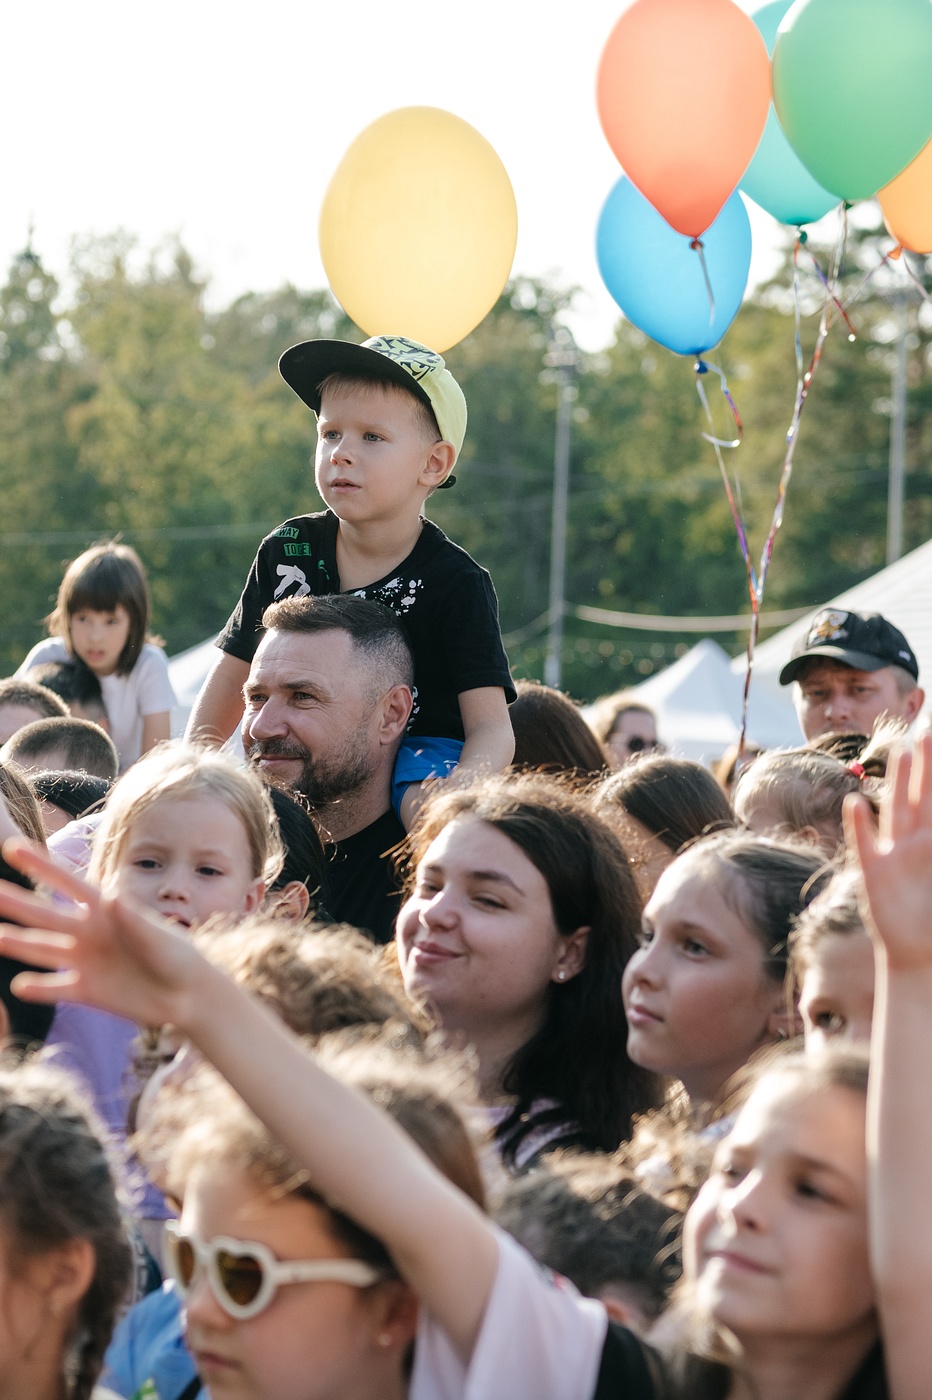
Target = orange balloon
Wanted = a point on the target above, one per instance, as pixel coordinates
(683, 95)
(907, 204)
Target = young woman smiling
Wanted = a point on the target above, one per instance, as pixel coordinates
(520, 917)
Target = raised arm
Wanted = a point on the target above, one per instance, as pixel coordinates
(123, 960)
(489, 747)
(155, 730)
(218, 708)
(897, 871)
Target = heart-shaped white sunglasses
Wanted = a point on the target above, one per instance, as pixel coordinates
(245, 1275)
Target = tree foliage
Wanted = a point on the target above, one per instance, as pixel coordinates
(132, 408)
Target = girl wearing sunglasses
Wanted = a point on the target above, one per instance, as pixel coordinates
(285, 1297)
(490, 1326)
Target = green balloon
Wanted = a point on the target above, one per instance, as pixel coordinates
(852, 85)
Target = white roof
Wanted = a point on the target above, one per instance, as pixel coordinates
(902, 592)
(187, 672)
(698, 702)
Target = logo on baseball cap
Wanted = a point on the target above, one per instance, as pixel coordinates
(393, 358)
(865, 641)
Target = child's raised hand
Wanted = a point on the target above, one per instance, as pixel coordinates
(896, 863)
(104, 951)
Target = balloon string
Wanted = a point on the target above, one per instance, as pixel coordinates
(699, 247)
(702, 367)
(737, 515)
(803, 384)
(800, 240)
(904, 262)
(866, 280)
(758, 580)
(830, 291)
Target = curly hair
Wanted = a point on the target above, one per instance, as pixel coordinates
(57, 1184)
(200, 1120)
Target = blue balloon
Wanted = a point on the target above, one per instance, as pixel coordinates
(776, 179)
(656, 277)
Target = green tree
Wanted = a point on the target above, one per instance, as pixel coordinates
(45, 492)
(198, 451)
(137, 410)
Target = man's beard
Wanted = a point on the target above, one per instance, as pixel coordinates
(321, 781)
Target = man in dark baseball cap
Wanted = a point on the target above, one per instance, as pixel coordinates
(850, 668)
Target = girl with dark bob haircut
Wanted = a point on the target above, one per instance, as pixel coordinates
(102, 579)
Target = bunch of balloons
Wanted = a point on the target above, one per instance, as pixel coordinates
(418, 227)
(684, 97)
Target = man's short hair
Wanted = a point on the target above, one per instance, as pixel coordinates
(17, 691)
(74, 683)
(905, 682)
(72, 792)
(375, 630)
(79, 745)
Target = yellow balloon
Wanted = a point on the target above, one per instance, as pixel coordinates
(907, 204)
(418, 227)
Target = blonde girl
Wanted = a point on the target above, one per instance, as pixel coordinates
(101, 618)
(345, 1323)
(189, 834)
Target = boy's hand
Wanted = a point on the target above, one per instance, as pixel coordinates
(104, 952)
(897, 862)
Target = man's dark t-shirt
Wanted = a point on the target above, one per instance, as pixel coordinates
(446, 601)
(359, 885)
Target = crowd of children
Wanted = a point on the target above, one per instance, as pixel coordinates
(629, 1109)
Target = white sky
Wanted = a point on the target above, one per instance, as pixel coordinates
(223, 122)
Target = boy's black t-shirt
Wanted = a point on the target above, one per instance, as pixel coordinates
(446, 600)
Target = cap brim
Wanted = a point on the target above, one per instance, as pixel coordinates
(859, 660)
(304, 367)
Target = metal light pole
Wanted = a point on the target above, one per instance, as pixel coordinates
(562, 358)
(898, 438)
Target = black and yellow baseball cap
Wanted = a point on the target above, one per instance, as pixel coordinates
(390, 357)
(865, 641)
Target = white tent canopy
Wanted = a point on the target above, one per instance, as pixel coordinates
(187, 672)
(902, 592)
(698, 703)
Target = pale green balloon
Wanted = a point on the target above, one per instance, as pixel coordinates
(852, 85)
(776, 179)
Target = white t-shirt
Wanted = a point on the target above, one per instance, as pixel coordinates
(539, 1340)
(145, 691)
